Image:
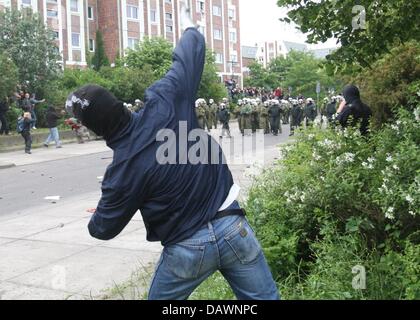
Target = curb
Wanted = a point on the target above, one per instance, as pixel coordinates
(6, 165)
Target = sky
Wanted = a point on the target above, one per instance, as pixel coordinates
(260, 22)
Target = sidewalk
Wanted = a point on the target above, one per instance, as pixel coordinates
(47, 253)
(19, 158)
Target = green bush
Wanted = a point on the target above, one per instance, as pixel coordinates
(12, 115)
(392, 81)
(338, 199)
(128, 84)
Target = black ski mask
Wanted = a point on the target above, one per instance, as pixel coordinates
(351, 94)
(98, 110)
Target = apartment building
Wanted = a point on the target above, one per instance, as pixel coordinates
(124, 23)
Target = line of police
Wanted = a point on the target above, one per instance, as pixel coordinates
(253, 114)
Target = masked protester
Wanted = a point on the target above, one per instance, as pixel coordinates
(353, 107)
(189, 207)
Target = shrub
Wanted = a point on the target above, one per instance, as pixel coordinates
(393, 81)
(337, 199)
(12, 115)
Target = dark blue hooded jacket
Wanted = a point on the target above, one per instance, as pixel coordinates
(175, 200)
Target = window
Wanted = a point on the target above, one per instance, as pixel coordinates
(232, 36)
(234, 57)
(217, 11)
(56, 35)
(75, 40)
(91, 45)
(232, 13)
(168, 16)
(217, 34)
(169, 29)
(74, 5)
(202, 30)
(219, 58)
(200, 6)
(132, 12)
(168, 1)
(132, 42)
(153, 16)
(90, 13)
(26, 3)
(52, 13)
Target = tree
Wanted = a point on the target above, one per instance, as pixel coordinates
(210, 85)
(99, 59)
(392, 83)
(363, 39)
(258, 76)
(31, 46)
(304, 73)
(128, 84)
(299, 70)
(155, 52)
(9, 76)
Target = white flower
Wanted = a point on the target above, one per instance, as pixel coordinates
(412, 213)
(311, 136)
(371, 160)
(389, 158)
(390, 213)
(316, 156)
(409, 199)
(417, 114)
(394, 127)
(395, 167)
(302, 198)
(367, 165)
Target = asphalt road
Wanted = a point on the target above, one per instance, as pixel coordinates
(26, 186)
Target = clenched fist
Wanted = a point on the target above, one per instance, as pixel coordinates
(185, 16)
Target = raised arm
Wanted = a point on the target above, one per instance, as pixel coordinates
(188, 64)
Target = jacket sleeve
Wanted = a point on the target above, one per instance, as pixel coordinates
(183, 79)
(343, 117)
(114, 212)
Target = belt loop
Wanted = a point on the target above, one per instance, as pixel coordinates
(211, 231)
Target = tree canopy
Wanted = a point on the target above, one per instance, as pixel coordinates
(31, 46)
(299, 71)
(364, 35)
(9, 76)
(155, 52)
(99, 59)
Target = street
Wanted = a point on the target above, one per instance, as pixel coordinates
(45, 249)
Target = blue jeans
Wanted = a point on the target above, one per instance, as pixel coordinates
(53, 136)
(227, 244)
(33, 116)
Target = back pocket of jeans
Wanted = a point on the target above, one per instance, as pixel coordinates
(184, 261)
(243, 243)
